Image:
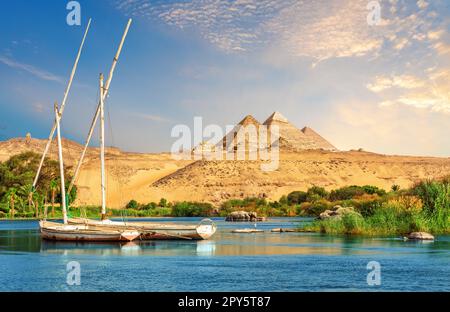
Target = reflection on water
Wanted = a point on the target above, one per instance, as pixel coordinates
(228, 262)
(25, 238)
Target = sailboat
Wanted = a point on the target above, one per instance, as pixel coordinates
(147, 230)
(67, 232)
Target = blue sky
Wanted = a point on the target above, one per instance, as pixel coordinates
(384, 88)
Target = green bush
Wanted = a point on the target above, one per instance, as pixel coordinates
(163, 202)
(316, 193)
(316, 208)
(192, 209)
(350, 192)
(150, 206)
(297, 197)
(132, 204)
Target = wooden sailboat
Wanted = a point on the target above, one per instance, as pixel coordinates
(84, 232)
(66, 232)
(149, 231)
(156, 231)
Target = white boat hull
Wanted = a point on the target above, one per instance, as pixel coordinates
(155, 231)
(62, 232)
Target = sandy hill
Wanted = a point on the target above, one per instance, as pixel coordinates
(306, 159)
(217, 181)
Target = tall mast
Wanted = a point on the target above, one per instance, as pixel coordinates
(61, 163)
(102, 148)
(63, 104)
(97, 113)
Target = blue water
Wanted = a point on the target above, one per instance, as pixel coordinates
(229, 262)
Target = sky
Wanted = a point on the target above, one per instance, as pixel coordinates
(383, 87)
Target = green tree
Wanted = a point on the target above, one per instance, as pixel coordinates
(316, 193)
(297, 197)
(163, 203)
(54, 187)
(132, 204)
(11, 195)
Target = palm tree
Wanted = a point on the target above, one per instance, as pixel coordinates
(53, 189)
(11, 195)
(27, 191)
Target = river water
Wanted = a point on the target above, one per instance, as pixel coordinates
(228, 262)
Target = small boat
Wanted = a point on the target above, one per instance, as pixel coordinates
(66, 232)
(156, 231)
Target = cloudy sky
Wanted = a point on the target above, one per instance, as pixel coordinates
(383, 86)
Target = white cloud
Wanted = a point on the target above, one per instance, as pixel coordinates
(37, 72)
(432, 92)
(151, 117)
(422, 4)
(319, 29)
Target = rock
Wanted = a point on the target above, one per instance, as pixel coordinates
(279, 230)
(337, 213)
(420, 236)
(244, 216)
(247, 231)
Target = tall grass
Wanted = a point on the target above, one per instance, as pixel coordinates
(426, 208)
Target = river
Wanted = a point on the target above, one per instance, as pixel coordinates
(228, 262)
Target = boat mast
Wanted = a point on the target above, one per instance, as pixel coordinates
(63, 104)
(61, 163)
(102, 147)
(97, 113)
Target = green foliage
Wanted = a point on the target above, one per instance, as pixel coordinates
(132, 204)
(283, 200)
(297, 197)
(349, 192)
(395, 188)
(397, 215)
(316, 193)
(192, 209)
(315, 208)
(16, 178)
(163, 202)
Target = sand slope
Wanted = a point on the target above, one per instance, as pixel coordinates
(149, 177)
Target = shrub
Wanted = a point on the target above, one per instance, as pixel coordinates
(315, 193)
(150, 206)
(316, 208)
(191, 209)
(163, 202)
(132, 204)
(297, 197)
(349, 192)
(283, 200)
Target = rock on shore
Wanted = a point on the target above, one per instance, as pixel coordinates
(244, 216)
(420, 236)
(337, 212)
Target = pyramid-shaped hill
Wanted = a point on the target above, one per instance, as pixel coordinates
(320, 142)
(294, 138)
